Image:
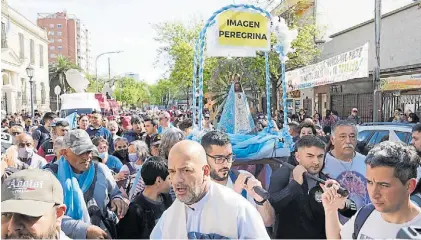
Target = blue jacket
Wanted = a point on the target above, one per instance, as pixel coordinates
(102, 132)
(105, 191)
(133, 136)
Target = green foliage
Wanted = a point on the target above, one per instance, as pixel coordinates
(129, 91)
(176, 54)
(57, 72)
(93, 84)
(160, 92)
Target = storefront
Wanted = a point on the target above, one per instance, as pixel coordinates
(402, 92)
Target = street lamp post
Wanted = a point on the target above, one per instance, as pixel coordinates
(96, 66)
(30, 74)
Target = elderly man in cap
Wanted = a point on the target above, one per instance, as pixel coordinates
(88, 189)
(32, 206)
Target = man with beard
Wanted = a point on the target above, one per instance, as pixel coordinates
(220, 158)
(32, 206)
(345, 165)
(416, 138)
(204, 209)
(296, 197)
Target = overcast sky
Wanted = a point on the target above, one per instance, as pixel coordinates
(127, 24)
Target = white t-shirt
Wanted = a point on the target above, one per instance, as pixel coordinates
(230, 184)
(376, 228)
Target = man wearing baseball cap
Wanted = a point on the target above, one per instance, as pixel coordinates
(89, 188)
(32, 206)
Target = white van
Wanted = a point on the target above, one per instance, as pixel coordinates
(81, 103)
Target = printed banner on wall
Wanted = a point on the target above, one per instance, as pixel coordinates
(404, 82)
(345, 66)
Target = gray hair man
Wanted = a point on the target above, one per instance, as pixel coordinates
(87, 197)
(391, 178)
(168, 139)
(32, 206)
(345, 164)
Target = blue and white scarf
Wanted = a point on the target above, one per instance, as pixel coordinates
(74, 188)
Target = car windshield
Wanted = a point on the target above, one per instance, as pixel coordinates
(67, 112)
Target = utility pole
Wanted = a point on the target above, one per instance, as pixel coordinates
(376, 72)
(109, 69)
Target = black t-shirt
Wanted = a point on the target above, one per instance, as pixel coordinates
(142, 216)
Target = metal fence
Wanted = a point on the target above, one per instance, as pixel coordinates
(343, 104)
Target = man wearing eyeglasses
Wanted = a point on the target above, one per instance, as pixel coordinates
(26, 155)
(220, 158)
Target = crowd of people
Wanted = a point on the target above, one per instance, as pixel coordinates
(141, 176)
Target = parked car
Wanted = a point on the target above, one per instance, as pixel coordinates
(370, 134)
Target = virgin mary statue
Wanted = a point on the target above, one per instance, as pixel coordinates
(236, 117)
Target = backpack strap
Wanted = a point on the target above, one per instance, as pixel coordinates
(416, 198)
(132, 170)
(233, 174)
(360, 219)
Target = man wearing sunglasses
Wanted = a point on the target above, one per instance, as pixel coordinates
(26, 154)
(220, 158)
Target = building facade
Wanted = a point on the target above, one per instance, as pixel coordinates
(68, 37)
(23, 44)
(400, 55)
(400, 58)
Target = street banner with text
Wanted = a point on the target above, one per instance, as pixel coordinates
(345, 66)
(404, 82)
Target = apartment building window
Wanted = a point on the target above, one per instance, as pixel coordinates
(32, 51)
(21, 46)
(52, 40)
(41, 56)
(51, 33)
(59, 26)
(52, 55)
(52, 47)
(59, 40)
(59, 34)
(3, 35)
(60, 48)
(51, 25)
